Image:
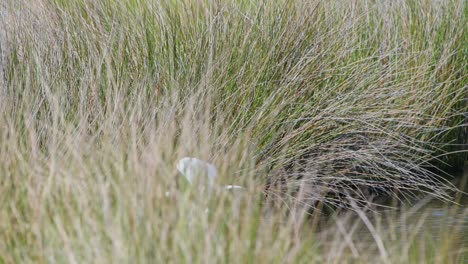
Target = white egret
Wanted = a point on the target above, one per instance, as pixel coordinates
(196, 170)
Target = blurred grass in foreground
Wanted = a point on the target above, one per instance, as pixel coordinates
(319, 104)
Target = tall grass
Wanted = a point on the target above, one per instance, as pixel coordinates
(311, 104)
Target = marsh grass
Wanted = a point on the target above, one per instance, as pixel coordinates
(310, 104)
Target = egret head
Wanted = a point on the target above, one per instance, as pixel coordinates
(196, 170)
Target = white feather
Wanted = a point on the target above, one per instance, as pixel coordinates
(192, 168)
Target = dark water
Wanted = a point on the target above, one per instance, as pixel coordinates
(440, 217)
(429, 217)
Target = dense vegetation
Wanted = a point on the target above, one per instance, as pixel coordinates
(311, 104)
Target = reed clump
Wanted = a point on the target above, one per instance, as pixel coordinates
(312, 104)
